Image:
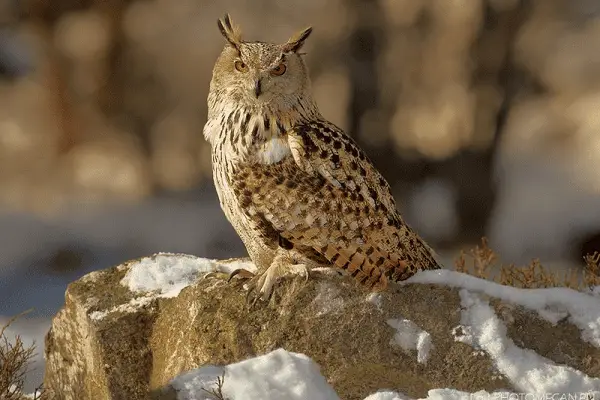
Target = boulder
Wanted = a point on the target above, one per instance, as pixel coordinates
(126, 332)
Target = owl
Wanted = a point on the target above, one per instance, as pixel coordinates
(299, 192)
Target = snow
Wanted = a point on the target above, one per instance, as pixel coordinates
(132, 306)
(276, 375)
(445, 394)
(552, 304)
(279, 375)
(452, 394)
(166, 274)
(285, 375)
(410, 337)
(526, 370)
(385, 395)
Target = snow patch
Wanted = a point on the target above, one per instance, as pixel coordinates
(166, 274)
(132, 306)
(552, 304)
(410, 337)
(444, 394)
(277, 375)
(385, 395)
(452, 394)
(527, 371)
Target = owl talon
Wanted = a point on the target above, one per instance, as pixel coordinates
(250, 298)
(213, 274)
(243, 274)
(253, 296)
(306, 273)
(260, 288)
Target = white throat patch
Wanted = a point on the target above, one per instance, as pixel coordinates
(274, 150)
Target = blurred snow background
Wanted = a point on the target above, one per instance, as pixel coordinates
(482, 114)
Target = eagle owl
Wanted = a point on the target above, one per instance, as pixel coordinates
(299, 192)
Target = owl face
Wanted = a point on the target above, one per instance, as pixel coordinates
(261, 73)
(258, 73)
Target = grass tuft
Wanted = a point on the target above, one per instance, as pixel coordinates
(15, 358)
(485, 264)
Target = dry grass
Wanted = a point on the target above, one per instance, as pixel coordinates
(592, 270)
(15, 358)
(484, 264)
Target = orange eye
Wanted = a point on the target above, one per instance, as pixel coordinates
(240, 66)
(278, 70)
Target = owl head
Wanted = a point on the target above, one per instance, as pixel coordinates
(258, 73)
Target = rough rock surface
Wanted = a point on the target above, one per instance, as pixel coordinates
(110, 343)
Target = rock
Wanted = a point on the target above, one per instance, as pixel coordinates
(126, 332)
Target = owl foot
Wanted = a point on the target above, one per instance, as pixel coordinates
(262, 286)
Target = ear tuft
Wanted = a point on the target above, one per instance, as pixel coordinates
(297, 41)
(231, 32)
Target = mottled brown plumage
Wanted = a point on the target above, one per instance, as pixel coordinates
(297, 189)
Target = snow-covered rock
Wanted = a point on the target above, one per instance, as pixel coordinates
(159, 328)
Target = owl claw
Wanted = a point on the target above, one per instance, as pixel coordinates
(242, 273)
(254, 295)
(213, 274)
(261, 287)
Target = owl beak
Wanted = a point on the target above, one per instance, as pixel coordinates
(257, 88)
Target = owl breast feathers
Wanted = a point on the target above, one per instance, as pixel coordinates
(326, 196)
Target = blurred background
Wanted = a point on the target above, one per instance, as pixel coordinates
(484, 115)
